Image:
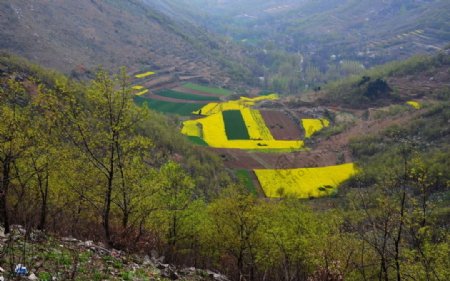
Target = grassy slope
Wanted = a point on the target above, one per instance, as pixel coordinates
(84, 34)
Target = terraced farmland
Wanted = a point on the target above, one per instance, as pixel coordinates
(235, 124)
(206, 89)
(184, 109)
(184, 96)
(184, 100)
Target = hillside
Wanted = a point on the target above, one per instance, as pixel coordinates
(77, 36)
(306, 44)
(374, 31)
(224, 140)
(151, 193)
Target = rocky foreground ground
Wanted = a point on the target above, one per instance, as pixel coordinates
(34, 255)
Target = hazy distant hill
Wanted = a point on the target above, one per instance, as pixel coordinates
(70, 35)
(373, 31)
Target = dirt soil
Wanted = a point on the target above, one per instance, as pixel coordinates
(281, 125)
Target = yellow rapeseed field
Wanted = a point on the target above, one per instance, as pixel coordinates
(312, 126)
(192, 128)
(243, 102)
(212, 128)
(256, 126)
(213, 133)
(145, 74)
(138, 87)
(142, 92)
(304, 182)
(214, 107)
(414, 104)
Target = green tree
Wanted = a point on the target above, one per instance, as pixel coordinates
(176, 189)
(235, 224)
(14, 132)
(101, 122)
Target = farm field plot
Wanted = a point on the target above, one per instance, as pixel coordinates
(184, 109)
(243, 102)
(206, 89)
(184, 96)
(414, 104)
(235, 128)
(182, 89)
(281, 126)
(312, 126)
(304, 182)
(255, 124)
(145, 74)
(141, 93)
(214, 134)
(233, 124)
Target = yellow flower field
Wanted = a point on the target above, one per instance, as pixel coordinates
(312, 126)
(304, 182)
(256, 125)
(145, 74)
(192, 129)
(142, 92)
(414, 104)
(214, 107)
(138, 87)
(243, 102)
(213, 133)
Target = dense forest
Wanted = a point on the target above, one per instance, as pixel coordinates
(81, 159)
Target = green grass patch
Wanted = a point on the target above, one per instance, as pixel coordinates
(184, 109)
(197, 140)
(235, 125)
(245, 178)
(209, 90)
(184, 96)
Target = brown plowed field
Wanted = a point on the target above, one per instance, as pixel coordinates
(241, 159)
(281, 126)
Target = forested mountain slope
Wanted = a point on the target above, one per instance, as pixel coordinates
(73, 36)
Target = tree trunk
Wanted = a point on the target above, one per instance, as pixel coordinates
(399, 236)
(3, 194)
(107, 209)
(44, 199)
